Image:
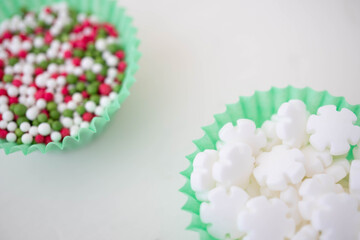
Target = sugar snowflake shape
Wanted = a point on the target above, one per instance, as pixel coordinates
(235, 165)
(316, 161)
(222, 210)
(201, 179)
(258, 218)
(280, 167)
(245, 132)
(333, 129)
(337, 217)
(312, 189)
(307, 232)
(338, 169)
(292, 118)
(354, 179)
(291, 197)
(269, 128)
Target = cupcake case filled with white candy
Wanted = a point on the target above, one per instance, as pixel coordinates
(294, 175)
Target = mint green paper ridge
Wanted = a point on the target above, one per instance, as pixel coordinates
(105, 10)
(259, 107)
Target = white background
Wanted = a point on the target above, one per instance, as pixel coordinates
(197, 56)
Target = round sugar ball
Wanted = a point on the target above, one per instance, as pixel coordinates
(26, 138)
(71, 105)
(22, 90)
(11, 126)
(99, 110)
(87, 63)
(32, 113)
(61, 107)
(13, 91)
(41, 103)
(51, 83)
(30, 101)
(41, 81)
(28, 69)
(77, 97)
(11, 137)
(30, 58)
(8, 116)
(113, 95)
(3, 108)
(44, 129)
(25, 126)
(27, 79)
(90, 106)
(74, 130)
(61, 81)
(3, 124)
(111, 61)
(58, 98)
(111, 73)
(33, 130)
(31, 91)
(4, 99)
(100, 44)
(96, 68)
(84, 124)
(67, 122)
(55, 136)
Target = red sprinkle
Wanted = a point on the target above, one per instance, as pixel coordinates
(67, 54)
(17, 82)
(1, 63)
(122, 66)
(100, 78)
(22, 54)
(3, 133)
(39, 138)
(39, 94)
(65, 91)
(48, 96)
(104, 89)
(76, 61)
(46, 112)
(82, 78)
(48, 38)
(85, 94)
(13, 100)
(38, 71)
(48, 139)
(87, 116)
(120, 54)
(65, 132)
(3, 92)
(67, 98)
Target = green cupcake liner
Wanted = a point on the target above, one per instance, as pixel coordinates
(105, 10)
(259, 108)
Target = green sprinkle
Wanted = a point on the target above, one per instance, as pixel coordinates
(56, 125)
(92, 88)
(7, 78)
(103, 71)
(54, 114)
(120, 77)
(42, 117)
(50, 121)
(51, 106)
(13, 61)
(81, 110)
(68, 113)
(44, 64)
(20, 120)
(18, 132)
(117, 88)
(72, 91)
(78, 53)
(113, 47)
(80, 86)
(71, 79)
(35, 122)
(90, 76)
(20, 109)
(18, 141)
(95, 98)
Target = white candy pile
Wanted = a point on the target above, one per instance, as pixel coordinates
(289, 179)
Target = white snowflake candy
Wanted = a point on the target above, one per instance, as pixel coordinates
(337, 217)
(338, 169)
(316, 161)
(245, 132)
(257, 221)
(201, 179)
(291, 197)
(292, 118)
(280, 167)
(235, 165)
(269, 128)
(312, 189)
(354, 179)
(333, 129)
(307, 232)
(222, 211)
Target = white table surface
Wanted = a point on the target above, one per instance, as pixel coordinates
(197, 56)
